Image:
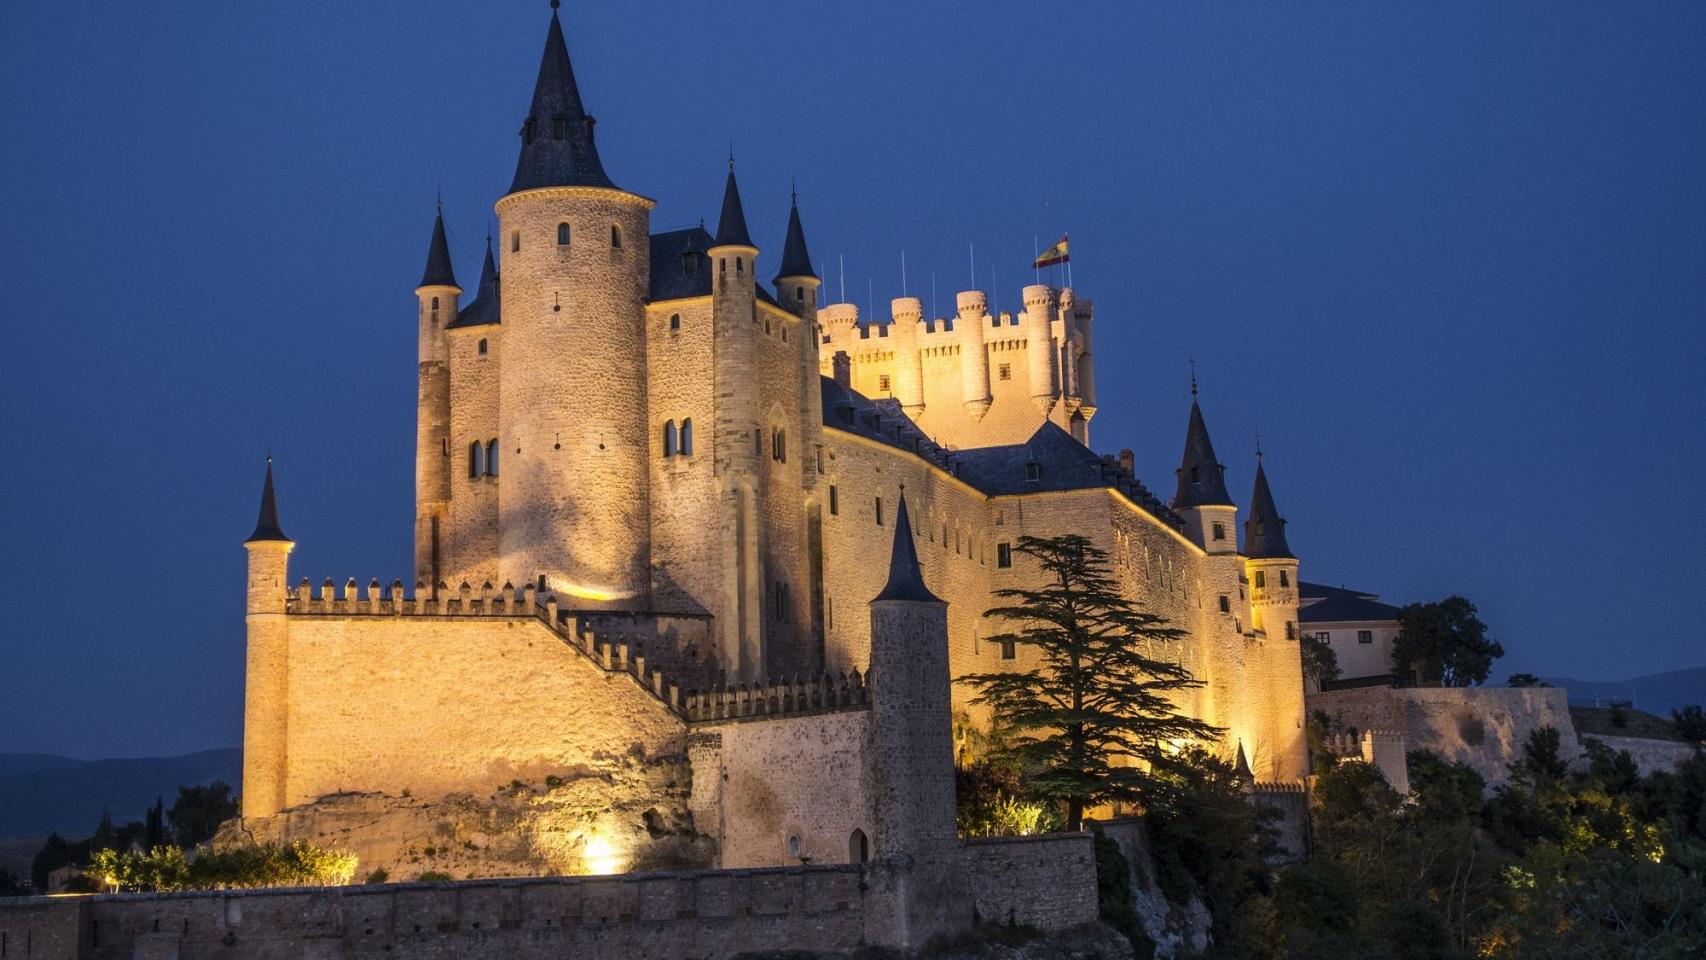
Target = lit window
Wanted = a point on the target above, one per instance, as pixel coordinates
(1365, 636)
(1261, 580)
(1004, 555)
(1220, 531)
(1324, 637)
(562, 234)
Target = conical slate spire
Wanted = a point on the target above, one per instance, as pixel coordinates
(731, 226)
(266, 526)
(488, 271)
(906, 577)
(796, 260)
(557, 148)
(1264, 532)
(1202, 480)
(486, 306)
(438, 271)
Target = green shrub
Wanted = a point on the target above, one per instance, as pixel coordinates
(379, 875)
(298, 864)
(433, 876)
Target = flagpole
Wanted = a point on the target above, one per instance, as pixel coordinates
(843, 258)
(1036, 273)
(973, 248)
(933, 314)
(903, 273)
(1068, 238)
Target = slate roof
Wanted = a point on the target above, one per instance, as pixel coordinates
(671, 279)
(487, 306)
(796, 259)
(266, 525)
(1202, 479)
(1344, 607)
(1321, 591)
(906, 578)
(438, 272)
(731, 225)
(1264, 532)
(1062, 463)
(547, 161)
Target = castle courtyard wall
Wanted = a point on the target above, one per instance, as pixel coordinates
(437, 705)
(758, 782)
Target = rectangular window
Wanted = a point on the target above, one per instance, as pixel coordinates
(1004, 555)
(1009, 650)
(1033, 472)
(1285, 579)
(1324, 637)
(1225, 604)
(834, 502)
(1290, 630)
(1004, 372)
(883, 383)
(1365, 636)
(515, 241)
(1261, 579)
(820, 461)
(1220, 531)
(879, 511)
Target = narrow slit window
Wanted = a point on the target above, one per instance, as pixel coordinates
(615, 237)
(474, 460)
(562, 234)
(515, 241)
(675, 321)
(492, 457)
(482, 347)
(669, 438)
(687, 437)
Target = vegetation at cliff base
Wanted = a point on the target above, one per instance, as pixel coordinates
(166, 868)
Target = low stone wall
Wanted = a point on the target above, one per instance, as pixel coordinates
(1048, 882)
(1650, 755)
(1484, 727)
(699, 915)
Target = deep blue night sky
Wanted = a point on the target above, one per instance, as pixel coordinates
(1449, 258)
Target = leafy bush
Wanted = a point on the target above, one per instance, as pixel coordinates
(1690, 722)
(298, 864)
(379, 875)
(991, 804)
(433, 876)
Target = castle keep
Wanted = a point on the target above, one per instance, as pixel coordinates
(652, 491)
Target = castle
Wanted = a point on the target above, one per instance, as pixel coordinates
(652, 492)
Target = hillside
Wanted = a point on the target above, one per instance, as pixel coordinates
(41, 794)
(1657, 693)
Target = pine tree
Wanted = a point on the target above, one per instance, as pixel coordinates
(1092, 721)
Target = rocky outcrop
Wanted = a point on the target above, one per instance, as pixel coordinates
(627, 814)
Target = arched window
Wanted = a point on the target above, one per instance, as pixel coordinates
(858, 848)
(492, 457)
(800, 294)
(675, 321)
(482, 346)
(474, 460)
(687, 437)
(562, 234)
(615, 237)
(737, 264)
(794, 846)
(515, 241)
(669, 438)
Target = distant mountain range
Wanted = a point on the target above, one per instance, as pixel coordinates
(1658, 693)
(41, 793)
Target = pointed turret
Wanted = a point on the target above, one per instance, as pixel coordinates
(1264, 532)
(266, 526)
(1202, 479)
(557, 148)
(438, 271)
(487, 306)
(796, 259)
(906, 577)
(731, 226)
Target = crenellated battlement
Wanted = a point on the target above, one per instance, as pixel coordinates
(825, 693)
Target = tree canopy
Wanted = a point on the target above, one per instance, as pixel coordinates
(1445, 643)
(1090, 718)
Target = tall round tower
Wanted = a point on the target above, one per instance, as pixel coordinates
(266, 688)
(972, 325)
(1039, 345)
(438, 294)
(572, 491)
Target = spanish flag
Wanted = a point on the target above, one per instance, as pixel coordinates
(1053, 255)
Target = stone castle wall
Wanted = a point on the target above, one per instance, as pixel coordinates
(1484, 727)
(433, 705)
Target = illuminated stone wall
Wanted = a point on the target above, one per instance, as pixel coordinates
(470, 544)
(434, 705)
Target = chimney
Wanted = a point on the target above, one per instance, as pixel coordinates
(1127, 461)
(843, 369)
